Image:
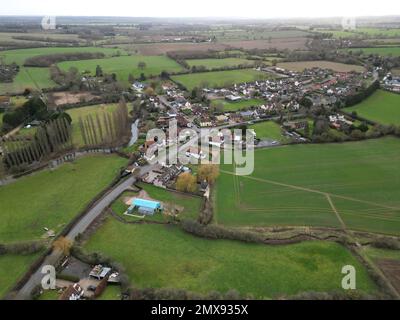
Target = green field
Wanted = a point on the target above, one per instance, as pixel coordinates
(292, 185)
(12, 268)
(165, 257)
(83, 112)
(219, 63)
(378, 254)
(125, 65)
(219, 78)
(31, 78)
(235, 106)
(268, 130)
(383, 51)
(20, 55)
(52, 198)
(364, 33)
(382, 107)
(39, 78)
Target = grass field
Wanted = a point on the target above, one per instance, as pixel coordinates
(52, 198)
(364, 32)
(125, 65)
(39, 78)
(12, 268)
(235, 106)
(219, 63)
(306, 184)
(383, 51)
(382, 107)
(165, 257)
(219, 78)
(83, 112)
(32, 78)
(335, 66)
(268, 130)
(20, 55)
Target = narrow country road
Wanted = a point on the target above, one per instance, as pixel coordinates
(79, 227)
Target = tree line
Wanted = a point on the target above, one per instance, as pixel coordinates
(51, 138)
(48, 60)
(106, 130)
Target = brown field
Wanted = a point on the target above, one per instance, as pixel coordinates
(391, 269)
(61, 98)
(280, 44)
(163, 48)
(301, 65)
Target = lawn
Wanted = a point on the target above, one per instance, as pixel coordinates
(382, 107)
(191, 205)
(268, 130)
(52, 198)
(219, 63)
(239, 105)
(83, 112)
(125, 65)
(335, 66)
(112, 292)
(49, 295)
(219, 78)
(12, 268)
(158, 256)
(290, 185)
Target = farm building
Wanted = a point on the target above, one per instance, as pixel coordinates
(145, 207)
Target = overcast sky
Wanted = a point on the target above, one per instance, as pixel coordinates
(202, 8)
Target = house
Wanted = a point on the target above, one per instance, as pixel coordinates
(138, 86)
(73, 292)
(233, 98)
(145, 207)
(246, 114)
(221, 118)
(99, 272)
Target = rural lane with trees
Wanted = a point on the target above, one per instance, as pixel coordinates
(78, 228)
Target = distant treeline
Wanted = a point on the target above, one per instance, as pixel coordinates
(45, 39)
(48, 60)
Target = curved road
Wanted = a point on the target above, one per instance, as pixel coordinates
(80, 227)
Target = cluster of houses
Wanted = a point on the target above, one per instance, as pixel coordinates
(92, 280)
(164, 176)
(339, 121)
